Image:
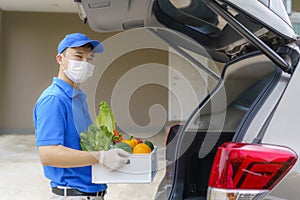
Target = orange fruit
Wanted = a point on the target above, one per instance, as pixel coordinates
(131, 142)
(141, 149)
(135, 141)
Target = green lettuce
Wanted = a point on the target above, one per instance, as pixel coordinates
(105, 117)
(99, 136)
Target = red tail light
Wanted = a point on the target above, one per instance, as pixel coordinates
(239, 166)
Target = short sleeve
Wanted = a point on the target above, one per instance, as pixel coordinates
(50, 121)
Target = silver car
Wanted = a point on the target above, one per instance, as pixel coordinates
(240, 142)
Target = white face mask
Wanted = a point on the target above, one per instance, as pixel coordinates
(79, 71)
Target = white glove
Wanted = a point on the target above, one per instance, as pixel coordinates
(114, 158)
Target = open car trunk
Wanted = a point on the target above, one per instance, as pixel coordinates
(250, 37)
(191, 148)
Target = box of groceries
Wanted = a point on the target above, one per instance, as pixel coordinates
(102, 135)
(141, 169)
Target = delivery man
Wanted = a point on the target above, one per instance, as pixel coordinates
(60, 115)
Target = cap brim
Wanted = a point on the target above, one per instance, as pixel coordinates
(97, 46)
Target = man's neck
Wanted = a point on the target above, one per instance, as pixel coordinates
(62, 76)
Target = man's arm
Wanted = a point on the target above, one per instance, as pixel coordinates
(64, 157)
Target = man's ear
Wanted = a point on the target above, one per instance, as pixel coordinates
(59, 59)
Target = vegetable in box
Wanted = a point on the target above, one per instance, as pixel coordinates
(102, 135)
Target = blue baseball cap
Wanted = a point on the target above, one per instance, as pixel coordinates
(77, 40)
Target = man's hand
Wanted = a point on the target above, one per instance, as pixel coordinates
(114, 158)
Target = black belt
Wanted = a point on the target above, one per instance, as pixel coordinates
(75, 192)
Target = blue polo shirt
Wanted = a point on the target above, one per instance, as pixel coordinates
(60, 115)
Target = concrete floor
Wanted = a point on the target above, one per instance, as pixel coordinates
(22, 178)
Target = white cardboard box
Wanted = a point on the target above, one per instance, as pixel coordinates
(142, 169)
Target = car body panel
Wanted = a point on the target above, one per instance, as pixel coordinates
(284, 130)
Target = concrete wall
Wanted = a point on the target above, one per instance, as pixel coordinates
(0, 50)
(296, 5)
(29, 42)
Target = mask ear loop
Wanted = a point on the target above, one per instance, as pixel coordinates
(61, 62)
